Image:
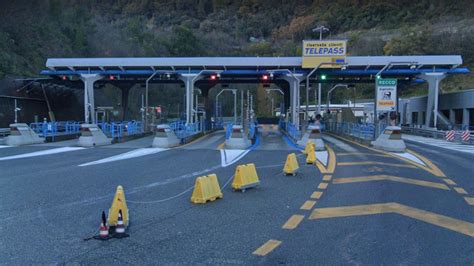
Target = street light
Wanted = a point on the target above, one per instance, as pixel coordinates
(321, 29)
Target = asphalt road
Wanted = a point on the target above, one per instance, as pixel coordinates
(406, 214)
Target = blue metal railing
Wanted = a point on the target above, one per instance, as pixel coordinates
(366, 131)
(117, 130)
(52, 129)
(228, 130)
(183, 130)
(293, 131)
(252, 130)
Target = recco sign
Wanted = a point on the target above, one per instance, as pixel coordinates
(386, 94)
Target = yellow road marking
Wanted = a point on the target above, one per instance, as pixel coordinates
(469, 200)
(293, 222)
(316, 195)
(361, 154)
(221, 146)
(323, 185)
(460, 190)
(331, 162)
(374, 163)
(449, 181)
(456, 225)
(433, 169)
(308, 205)
(266, 248)
(327, 178)
(390, 178)
(196, 140)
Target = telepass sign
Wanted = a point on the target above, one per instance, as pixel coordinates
(324, 54)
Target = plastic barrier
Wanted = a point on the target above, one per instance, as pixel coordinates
(307, 147)
(291, 165)
(245, 177)
(310, 155)
(206, 189)
(118, 204)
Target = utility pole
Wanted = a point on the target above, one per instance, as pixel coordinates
(16, 112)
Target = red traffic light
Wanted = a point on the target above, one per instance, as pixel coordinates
(64, 77)
(213, 77)
(111, 77)
(265, 77)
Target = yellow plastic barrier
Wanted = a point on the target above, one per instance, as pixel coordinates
(206, 189)
(245, 177)
(311, 155)
(308, 146)
(118, 203)
(291, 165)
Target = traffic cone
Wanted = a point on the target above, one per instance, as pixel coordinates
(309, 144)
(310, 156)
(103, 229)
(120, 228)
(291, 165)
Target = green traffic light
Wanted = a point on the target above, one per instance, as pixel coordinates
(323, 77)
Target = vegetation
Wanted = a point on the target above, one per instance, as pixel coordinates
(33, 30)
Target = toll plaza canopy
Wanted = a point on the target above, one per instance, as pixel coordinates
(288, 70)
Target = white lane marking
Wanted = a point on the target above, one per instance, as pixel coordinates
(322, 156)
(340, 144)
(5, 146)
(229, 157)
(410, 157)
(128, 155)
(441, 143)
(41, 153)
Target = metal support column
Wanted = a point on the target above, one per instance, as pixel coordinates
(294, 82)
(433, 80)
(89, 105)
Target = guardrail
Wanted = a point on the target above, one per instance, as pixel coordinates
(437, 134)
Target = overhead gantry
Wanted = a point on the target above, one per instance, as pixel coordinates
(286, 72)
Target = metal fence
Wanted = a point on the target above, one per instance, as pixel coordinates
(118, 130)
(53, 129)
(365, 131)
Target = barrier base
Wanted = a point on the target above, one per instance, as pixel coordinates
(390, 140)
(22, 134)
(92, 135)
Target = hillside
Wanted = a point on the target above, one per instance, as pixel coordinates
(31, 31)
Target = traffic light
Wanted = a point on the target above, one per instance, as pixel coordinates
(265, 77)
(64, 77)
(323, 77)
(213, 77)
(111, 77)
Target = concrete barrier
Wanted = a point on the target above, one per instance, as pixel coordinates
(92, 135)
(165, 137)
(390, 140)
(22, 134)
(313, 133)
(237, 139)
